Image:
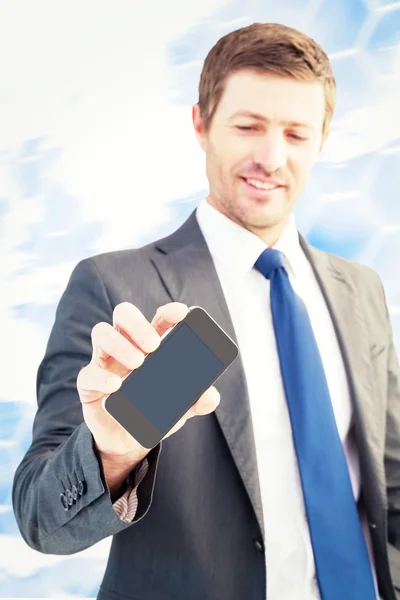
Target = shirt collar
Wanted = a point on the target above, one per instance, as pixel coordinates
(239, 248)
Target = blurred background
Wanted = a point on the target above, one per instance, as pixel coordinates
(95, 99)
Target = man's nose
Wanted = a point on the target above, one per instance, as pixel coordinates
(270, 151)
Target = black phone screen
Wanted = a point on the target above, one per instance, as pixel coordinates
(172, 377)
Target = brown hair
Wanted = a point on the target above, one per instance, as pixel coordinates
(269, 48)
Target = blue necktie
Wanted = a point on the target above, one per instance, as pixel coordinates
(341, 558)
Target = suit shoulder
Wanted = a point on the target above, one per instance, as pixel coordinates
(351, 266)
(120, 260)
(354, 268)
(122, 275)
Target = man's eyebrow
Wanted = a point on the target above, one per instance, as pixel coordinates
(246, 113)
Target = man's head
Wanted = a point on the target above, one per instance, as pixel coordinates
(266, 100)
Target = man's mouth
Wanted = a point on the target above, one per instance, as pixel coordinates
(262, 185)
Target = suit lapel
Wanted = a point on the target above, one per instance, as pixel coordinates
(348, 317)
(187, 270)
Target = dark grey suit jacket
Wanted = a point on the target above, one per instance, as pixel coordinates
(198, 533)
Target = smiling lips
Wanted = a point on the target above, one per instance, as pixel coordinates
(262, 184)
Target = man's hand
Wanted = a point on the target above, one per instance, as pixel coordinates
(119, 349)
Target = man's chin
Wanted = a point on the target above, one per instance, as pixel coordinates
(261, 214)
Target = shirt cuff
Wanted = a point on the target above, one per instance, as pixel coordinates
(127, 504)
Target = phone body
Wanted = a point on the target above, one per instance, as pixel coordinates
(191, 356)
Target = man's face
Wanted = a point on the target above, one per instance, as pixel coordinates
(266, 127)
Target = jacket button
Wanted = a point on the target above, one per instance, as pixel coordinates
(64, 502)
(258, 545)
(74, 490)
(81, 487)
(70, 499)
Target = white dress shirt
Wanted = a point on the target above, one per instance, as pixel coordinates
(288, 551)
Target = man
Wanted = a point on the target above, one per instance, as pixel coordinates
(245, 502)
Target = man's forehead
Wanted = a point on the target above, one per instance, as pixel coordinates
(257, 77)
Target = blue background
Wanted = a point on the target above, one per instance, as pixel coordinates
(97, 153)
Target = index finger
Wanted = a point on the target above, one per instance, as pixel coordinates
(169, 315)
(133, 325)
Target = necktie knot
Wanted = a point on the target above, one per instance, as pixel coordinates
(269, 260)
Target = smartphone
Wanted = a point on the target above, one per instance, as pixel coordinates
(190, 358)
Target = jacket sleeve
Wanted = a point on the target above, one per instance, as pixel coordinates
(60, 497)
(392, 449)
(392, 455)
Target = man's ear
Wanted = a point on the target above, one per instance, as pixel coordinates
(198, 125)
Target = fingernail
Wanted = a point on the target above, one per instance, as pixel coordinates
(132, 359)
(151, 340)
(114, 381)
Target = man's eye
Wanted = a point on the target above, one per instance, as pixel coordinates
(298, 137)
(244, 127)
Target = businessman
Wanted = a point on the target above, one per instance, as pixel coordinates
(283, 480)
